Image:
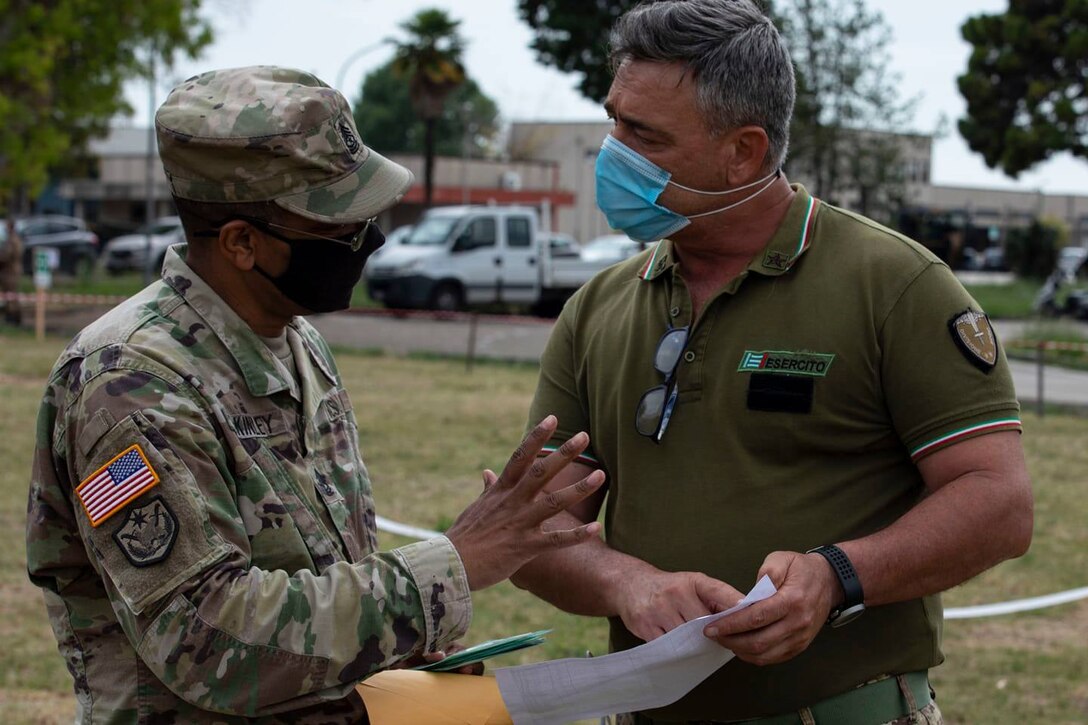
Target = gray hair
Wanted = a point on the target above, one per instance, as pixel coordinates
(742, 71)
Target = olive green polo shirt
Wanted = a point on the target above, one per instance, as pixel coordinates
(809, 387)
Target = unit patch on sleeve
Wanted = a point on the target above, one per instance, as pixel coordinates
(148, 533)
(123, 478)
(975, 338)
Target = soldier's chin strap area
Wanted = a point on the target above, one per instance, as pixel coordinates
(393, 697)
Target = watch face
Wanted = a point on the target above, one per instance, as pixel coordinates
(846, 615)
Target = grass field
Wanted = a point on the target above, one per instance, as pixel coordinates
(1006, 301)
(427, 428)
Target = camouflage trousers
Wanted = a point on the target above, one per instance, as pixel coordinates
(927, 714)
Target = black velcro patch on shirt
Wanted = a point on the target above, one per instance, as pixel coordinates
(780, 393)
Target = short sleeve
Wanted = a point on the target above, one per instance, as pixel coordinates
(557, 390)
(944, 374)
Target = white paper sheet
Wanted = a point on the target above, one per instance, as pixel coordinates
(651, 675)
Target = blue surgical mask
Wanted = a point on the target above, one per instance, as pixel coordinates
(629, 184)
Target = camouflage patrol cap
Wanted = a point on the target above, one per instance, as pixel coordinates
(264, 133)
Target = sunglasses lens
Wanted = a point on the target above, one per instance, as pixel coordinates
(669, 349)
(648, 416)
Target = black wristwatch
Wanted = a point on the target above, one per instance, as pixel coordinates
(854, 601)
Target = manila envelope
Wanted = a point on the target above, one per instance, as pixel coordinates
(394, 697)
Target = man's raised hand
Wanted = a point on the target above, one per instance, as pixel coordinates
(502, 529)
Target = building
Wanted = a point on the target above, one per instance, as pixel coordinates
(997, 210)
(573, 146)
(113, 198)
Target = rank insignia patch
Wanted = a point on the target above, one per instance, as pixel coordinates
(123, 478)
(776, 260)
(148, 533)
(975, 338)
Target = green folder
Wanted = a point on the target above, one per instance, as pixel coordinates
(486, 650)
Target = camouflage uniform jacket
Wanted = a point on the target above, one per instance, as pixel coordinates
(202, 525)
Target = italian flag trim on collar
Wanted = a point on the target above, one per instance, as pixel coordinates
(958, 435)
(645, 273)
(806, 228)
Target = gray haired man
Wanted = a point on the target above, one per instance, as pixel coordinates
(774, 387)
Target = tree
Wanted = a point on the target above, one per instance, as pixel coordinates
(846, 129)
(62, 69)
(1032, 251)
(572, 35)
(847, 114)
(430, 58)
(1025, 83)
(385, 117)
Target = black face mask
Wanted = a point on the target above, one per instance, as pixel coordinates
(322, 274)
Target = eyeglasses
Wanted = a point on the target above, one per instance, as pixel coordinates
(656, 405)
(352, 239)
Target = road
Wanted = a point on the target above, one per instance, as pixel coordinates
(524, 340)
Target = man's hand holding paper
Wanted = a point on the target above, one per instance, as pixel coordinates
(656, 602)
(781, 627)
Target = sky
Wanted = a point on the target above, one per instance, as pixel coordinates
(340, 41)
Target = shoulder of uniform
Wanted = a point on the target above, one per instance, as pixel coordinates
(618, 274)
(118, 325)
(838, 225)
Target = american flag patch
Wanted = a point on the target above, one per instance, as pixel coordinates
(107, 490)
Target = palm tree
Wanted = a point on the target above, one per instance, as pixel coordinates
(431, 61)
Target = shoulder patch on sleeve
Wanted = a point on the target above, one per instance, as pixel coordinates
(119, 481)
(975, 338)
(147, 533)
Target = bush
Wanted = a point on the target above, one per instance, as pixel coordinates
(1033, 251)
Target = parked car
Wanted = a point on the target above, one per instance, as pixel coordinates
(611, 248)
(989, 259)
(561, 245)
(129, 252)
(76, 245)
(392, 239)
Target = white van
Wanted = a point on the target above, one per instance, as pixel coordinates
(472, 255)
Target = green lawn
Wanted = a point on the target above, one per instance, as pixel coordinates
(1006, 301)
(427, 428)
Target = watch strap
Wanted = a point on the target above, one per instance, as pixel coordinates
(853, 596)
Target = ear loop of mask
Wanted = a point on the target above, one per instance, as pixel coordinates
(757, 182)
(734, 205)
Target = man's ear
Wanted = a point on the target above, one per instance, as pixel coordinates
(747, 152)
(237, 244)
